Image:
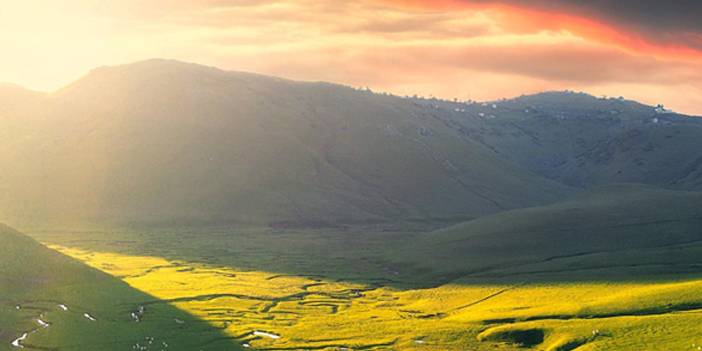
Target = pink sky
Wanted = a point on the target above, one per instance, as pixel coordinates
(452, 49)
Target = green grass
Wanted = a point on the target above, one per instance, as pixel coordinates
(38, 280)
(331, 289)
(335, 193)
(614, 232)
(616, 268)
(319, 313)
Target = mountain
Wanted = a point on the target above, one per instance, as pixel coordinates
(582, 141)
(169, 143)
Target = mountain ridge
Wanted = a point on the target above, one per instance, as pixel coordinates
(162, 141)
(174, 64)
(174, 143)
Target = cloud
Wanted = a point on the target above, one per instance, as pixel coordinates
(482, 49)
(653, 17)
(562, 64)
(650, 15)
(638, 24)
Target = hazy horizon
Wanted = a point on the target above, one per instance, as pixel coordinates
(12, 84)
(483, 50)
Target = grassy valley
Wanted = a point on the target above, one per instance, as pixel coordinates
(523, 278)
(177, 206)
(375, 290)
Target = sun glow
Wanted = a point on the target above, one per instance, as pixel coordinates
(479, 51)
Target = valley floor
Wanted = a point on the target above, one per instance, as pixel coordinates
(305, 290)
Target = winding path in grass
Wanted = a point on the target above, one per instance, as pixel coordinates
(20, 341)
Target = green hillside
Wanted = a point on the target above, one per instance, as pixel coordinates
(611, 232)
(52, 298)
(614, 268)
(241, 210)
(169, 143)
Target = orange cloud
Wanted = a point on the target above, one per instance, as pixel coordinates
(533, 16)
(478, 49)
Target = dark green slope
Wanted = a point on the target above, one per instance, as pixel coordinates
(632, 227)
(171, 143)
(35, 281)
(581, 140)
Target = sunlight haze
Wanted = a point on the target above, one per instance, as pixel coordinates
(446, 49)
(362, 175)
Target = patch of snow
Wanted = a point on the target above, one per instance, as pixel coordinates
(89, 317)
(265, 334)
(42, 323)
(662, 109)
(63, 307)
(246, 345)
(18, 342)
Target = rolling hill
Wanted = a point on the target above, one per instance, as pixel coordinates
(167, 142)
(566, 220)
(623, 231)
(51, 301)
(613, 268)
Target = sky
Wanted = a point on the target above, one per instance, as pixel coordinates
(646, 50)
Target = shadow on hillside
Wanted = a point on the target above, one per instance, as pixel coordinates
(86, 308)
(386, 259)
(618, 232)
